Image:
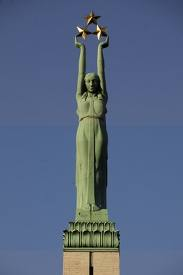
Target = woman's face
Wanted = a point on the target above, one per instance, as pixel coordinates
(91, 82)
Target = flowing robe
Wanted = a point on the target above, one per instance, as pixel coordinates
(91, 152)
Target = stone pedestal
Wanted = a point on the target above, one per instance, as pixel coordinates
(85, 235)
(76, 263)
(91, 248)
(106, 263)
(91, 263)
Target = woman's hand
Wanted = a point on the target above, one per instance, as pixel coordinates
(105, 43)
(78, 44)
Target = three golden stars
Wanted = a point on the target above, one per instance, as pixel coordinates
(92, 18)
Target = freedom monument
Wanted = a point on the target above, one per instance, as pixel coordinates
(91, 242)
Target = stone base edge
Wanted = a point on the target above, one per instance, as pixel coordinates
(90, 249)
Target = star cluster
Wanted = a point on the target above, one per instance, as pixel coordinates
(91, 18)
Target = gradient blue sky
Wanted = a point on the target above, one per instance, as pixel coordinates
(38, 69)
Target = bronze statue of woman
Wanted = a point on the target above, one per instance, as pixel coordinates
(91, 138)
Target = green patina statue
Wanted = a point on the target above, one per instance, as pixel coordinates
(91, 138)
(91, 230)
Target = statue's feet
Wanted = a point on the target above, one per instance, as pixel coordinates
(86, 207)
(94, 207)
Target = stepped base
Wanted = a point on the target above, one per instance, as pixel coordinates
(92, 216)
(90, 235)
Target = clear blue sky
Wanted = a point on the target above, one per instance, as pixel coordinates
(38, 72)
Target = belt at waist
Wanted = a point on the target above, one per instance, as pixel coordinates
(96, 117)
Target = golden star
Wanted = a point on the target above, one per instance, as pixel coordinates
(83, 32)
(91, 18)
(100, 31)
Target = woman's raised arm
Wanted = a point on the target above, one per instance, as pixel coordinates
(81, 69)
(101, 65)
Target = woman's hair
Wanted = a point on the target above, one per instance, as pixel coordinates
(98, 79)
(94, 74)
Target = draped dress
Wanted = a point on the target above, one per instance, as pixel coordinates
(91, 151)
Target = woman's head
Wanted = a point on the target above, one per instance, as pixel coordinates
(92, 82)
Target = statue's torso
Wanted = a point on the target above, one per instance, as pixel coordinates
(91, 106)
